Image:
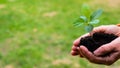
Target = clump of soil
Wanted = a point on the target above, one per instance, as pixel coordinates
(96, 40)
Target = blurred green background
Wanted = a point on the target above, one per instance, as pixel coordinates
(39, 33)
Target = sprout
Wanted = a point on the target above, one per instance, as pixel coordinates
(87, 18)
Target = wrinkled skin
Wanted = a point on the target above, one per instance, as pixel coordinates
(113, 47)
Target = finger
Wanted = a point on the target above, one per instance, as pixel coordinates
(112, 58)
(74, 53)
(77, 41)
(91, 57)
(87, 54)
(80, 53)
(100, 60)
(74, 48)
(104, 49)
(110, 29)
(99, 29)
(108, 60)
(112, 46)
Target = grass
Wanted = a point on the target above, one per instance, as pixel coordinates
(39, 33)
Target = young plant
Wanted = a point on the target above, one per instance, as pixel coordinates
(87, 18)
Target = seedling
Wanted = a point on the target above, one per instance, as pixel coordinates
(97, 39)
(87, 18)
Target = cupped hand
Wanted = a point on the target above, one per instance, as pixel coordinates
(96, 57)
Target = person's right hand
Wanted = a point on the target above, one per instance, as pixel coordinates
(113, 47)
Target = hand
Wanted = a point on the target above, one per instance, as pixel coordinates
(113, 47)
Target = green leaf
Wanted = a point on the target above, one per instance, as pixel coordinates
(80, 21)
(84, 18)
(96, 14)
(78, 24)
(96, 21)
(89, 28)
(85, 10)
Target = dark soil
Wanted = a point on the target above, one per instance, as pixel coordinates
(96, 40)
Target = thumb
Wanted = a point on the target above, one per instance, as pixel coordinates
(104, 49)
